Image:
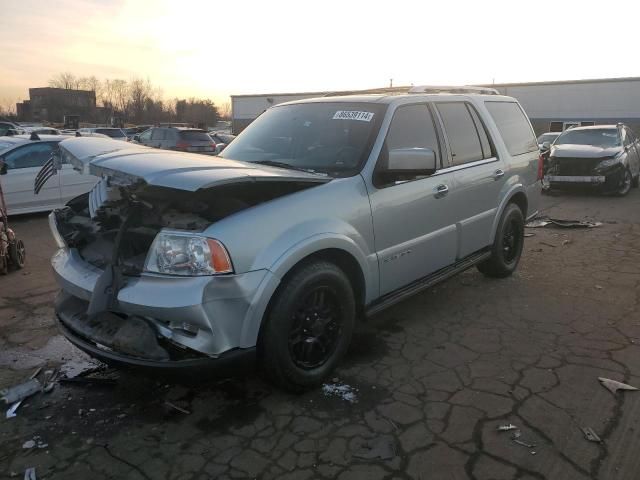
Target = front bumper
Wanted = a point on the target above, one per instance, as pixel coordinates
(609, 180)
(207, 317)
(592, 179)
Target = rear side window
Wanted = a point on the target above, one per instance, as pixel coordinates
(195, 136)
(412, 127)
(462, 133)
(111, 132)
(158, 134)
(514, 127)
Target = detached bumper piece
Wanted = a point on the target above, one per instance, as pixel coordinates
(133, 342)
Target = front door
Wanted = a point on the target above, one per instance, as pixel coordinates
(415, 231)
(23, 164)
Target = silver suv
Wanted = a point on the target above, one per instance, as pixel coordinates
(320, 213)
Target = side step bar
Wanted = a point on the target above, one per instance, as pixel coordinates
(425, 282)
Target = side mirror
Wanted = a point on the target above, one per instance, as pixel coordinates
(3, 168)
(136, 138)
(411, 161)
(546, 146)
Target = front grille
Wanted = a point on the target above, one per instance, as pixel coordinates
(577, 166)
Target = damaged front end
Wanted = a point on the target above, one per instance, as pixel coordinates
(605, 173)
(142, 281)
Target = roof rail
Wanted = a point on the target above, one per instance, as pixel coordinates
(370, 91)
(453, 89)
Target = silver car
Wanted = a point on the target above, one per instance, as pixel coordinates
(322, 211)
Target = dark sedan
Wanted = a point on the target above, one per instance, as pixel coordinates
(603, 156)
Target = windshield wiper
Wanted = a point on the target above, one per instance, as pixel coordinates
(275, 163)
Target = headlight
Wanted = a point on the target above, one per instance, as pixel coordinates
(181, 253)
(610, 162)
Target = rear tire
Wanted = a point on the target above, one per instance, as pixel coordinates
(636, 181)
(309, 326)
(507, 246)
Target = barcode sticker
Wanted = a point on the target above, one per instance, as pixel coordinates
(353, 115)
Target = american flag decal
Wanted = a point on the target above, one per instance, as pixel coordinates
(48, 170)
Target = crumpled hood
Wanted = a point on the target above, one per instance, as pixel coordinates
(583, 151)
(131, 163)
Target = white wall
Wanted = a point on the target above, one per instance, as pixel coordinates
(250, 107)
(615, 99)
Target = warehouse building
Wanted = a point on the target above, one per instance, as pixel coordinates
(551, 106)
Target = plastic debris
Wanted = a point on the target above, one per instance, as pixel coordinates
(382, 448)
(590, 435)
(516, 439)
(506, 427)
(35, 374)
(344, 391)
(176, 407)
(35, 442)
(29, 444)
(30, 474)
(22, 391)
(529, 234)
(11, 412)
(613, 386)
(557, 222)
(548, 244)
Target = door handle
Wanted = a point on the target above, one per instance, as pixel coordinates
(498, 174)
(441, 190)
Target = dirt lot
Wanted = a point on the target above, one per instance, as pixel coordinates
(421, 394)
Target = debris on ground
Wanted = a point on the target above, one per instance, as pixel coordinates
(382, 448)
(516, 437)
(529, 234)
(557, 222)
(613, 386)
(342, 390)
(506, 427)
(11, 412)
(590, 435)
(30, 473)
(21, 391)
(176, 407)
(35, 442)
(548, 244)
(35, 374)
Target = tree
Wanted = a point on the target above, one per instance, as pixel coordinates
(225, 111)
(64, 80)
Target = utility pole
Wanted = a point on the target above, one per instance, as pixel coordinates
(391, 83)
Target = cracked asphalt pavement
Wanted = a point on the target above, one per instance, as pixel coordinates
(421, 394)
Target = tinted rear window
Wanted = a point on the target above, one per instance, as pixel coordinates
(111, 132)
(514, 126)
(195, 136)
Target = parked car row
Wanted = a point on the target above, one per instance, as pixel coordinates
(185, 139)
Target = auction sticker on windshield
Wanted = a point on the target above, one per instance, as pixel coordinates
(353, 115)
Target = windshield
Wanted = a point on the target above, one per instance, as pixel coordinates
(111, 132)
(547, 137)
(331, 138)
(599, 137)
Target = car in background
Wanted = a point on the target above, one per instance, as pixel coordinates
(24, 156)
(549, 138)
(178, 138)
(221, 140)
(10, 128)
(42, 130)
(131, 132)
(602, 156)
(114, 133)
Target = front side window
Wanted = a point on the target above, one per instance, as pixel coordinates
(514, 127)
(34, 155)
(462, 133)
(327, 137)
(146, 135)
(159, 134)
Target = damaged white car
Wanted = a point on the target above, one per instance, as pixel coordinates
(181, 261)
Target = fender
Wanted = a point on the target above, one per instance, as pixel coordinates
(506, 198)
(290, 258)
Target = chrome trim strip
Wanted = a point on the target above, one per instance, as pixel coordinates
(465, 165)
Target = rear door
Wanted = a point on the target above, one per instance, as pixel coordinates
(415, 232)
(632, 151)
(479, 174)
(73, 183)
(158, 136)
(23, 164)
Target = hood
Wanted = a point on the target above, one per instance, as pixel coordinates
(583, 151)
(128, 163)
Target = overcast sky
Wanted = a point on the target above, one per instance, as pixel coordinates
(213, 49)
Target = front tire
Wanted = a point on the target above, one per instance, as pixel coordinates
(625, 185)
(309, 326)
(507, 246)
(17, 254)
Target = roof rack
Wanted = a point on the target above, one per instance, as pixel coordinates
(370, 91)
(453, 89)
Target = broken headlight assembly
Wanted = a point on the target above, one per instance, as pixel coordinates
(185, 254)
(610, 162)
